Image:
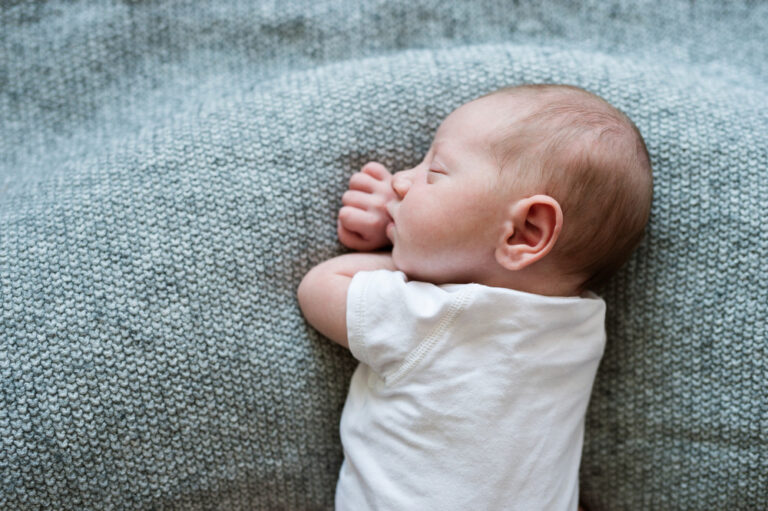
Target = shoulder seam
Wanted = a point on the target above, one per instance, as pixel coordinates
(425, 346)
(358, 314)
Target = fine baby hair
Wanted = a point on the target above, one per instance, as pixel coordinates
(588, 155)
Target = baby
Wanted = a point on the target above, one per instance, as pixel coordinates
(478, 336)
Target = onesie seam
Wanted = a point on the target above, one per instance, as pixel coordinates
(358, 312)
(431, 339)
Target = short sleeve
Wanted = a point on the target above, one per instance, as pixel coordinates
(389, 317)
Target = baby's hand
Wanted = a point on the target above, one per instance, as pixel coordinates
(363, 218)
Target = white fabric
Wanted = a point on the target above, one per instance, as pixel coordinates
(466, 397)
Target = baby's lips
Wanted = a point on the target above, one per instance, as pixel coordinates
(389, 207)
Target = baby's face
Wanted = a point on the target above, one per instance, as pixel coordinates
(449, 208)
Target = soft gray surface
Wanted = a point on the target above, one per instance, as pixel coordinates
(170, 170)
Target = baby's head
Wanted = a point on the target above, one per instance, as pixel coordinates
(541, 188)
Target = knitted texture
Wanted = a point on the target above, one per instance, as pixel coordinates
(169, 171)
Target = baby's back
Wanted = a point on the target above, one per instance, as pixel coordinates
(483, 408)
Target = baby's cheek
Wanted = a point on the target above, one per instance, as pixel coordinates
(432, 225)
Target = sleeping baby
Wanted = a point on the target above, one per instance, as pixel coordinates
(478, 335)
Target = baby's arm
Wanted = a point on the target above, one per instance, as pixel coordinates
(323, 291)
(362, 225)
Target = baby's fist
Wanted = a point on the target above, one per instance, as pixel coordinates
(363, 217)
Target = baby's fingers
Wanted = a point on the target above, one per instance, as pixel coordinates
(363, 200)
(376, 170)
(351, 239)
(359, 221)
(363, 182)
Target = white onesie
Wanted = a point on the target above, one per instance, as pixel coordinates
(467, 396)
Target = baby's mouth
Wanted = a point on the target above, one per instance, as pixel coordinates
(390, 229)
(389, 207)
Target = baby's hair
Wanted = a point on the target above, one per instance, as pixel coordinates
(588, 155)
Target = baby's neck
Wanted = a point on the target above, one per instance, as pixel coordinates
(551, 284)
(541, 280)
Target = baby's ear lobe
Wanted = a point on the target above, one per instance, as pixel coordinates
(530, 232)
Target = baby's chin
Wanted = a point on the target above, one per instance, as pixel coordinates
(404, 264)
(419, 269)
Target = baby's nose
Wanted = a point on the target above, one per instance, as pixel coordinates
(400, 184)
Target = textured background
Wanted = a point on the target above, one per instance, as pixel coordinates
(170, 170)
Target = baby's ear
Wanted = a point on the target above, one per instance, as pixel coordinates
(530, 231)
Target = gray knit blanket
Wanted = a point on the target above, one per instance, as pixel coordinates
(169, 170)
